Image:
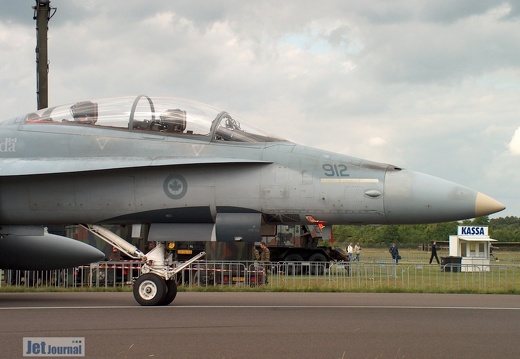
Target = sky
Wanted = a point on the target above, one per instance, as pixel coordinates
(431, 86)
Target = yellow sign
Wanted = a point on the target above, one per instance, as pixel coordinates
(184, 251)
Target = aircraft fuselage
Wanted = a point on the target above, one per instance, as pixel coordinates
(185, 172)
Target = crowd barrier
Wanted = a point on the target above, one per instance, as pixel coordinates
(356, 276)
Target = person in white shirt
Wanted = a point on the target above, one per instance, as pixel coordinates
(350, 251)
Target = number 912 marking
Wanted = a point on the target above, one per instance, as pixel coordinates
(335, 170)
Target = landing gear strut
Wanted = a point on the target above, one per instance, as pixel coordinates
(156, 285)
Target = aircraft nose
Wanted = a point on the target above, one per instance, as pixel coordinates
(485, 205)
(413, 197)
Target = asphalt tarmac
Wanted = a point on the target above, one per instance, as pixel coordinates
(268, 325)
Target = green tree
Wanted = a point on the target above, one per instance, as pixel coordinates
(479, 221)
(503, 229)
(390, 234)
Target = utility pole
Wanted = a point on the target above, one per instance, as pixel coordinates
(42, 14)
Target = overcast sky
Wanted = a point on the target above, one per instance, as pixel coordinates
(432, 86)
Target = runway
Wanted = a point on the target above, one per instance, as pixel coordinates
(268, 325)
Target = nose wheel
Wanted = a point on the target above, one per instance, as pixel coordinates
(157, 284)
(150, 289)
(171, 292)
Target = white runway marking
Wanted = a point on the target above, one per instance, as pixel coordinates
(262, 307)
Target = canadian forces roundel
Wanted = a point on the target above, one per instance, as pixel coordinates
(175, 186)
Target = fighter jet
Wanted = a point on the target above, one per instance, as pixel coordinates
(191, 172)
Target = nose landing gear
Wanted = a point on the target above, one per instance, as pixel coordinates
(156, 285)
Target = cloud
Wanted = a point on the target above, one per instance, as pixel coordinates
(514, 145)
(376, 141)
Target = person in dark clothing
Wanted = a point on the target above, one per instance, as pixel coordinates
(434, 253)
(115, 255)
(265, 255)
(491, 247)
(394, 251)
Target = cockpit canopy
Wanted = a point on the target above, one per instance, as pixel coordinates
(161, 116)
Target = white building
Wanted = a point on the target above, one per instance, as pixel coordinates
(472, 243)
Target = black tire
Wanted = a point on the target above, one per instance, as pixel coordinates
(317, 268)
(295, 269)
(171, 292)
(149, 289)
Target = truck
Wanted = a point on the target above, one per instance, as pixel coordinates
(293, 250)
(301, 244)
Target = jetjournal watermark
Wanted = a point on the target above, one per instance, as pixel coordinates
(54, 347)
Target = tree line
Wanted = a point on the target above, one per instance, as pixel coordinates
(502, 229)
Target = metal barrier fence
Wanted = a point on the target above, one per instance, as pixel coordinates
(102, 274)
(356, 276)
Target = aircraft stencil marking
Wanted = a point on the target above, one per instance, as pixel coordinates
(175, 186)
(335, 170)
(102, 142)
(8, 145)
(197, 149)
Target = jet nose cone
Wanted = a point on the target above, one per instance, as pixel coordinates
(485, 205)
(413, 197)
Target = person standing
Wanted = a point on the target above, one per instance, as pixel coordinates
(491, 247)
(394, 251)
(350, 251)
(434, 253)
(115, 255)
(357, 251)
(265, 255)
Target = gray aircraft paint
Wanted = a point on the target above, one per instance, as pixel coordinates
(191, 169)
